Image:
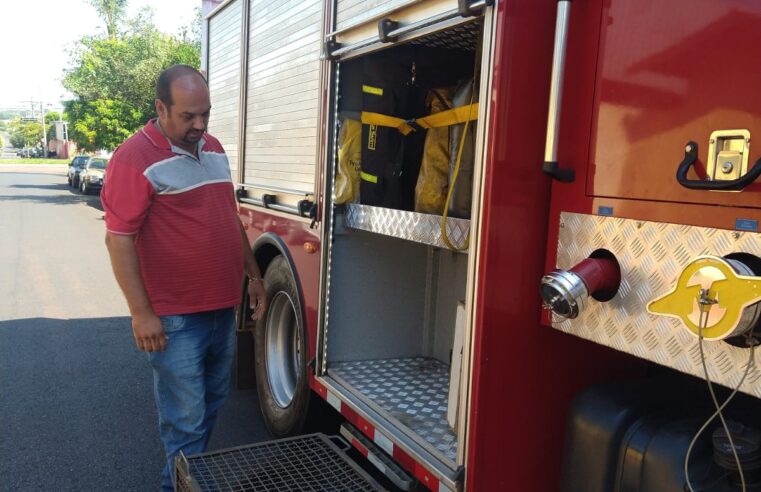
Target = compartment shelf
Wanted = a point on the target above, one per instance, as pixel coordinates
(412, 390)
(411, 226)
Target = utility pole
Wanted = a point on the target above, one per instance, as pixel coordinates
(44, 132)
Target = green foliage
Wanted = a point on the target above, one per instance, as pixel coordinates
(112, 12)
(102, 123)
(2, 142)
(25, 133)
(114, 81)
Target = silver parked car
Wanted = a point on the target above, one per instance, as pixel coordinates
(91, 177)
(75, 167)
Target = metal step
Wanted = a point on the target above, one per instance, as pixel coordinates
(306, 463)
(377, 457)
(413, 391)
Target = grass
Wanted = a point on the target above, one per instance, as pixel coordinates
(21, 160)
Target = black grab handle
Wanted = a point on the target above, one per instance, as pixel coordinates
(691, 155)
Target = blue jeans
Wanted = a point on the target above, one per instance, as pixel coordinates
(191, 381)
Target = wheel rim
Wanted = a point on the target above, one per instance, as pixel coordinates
(283, 345)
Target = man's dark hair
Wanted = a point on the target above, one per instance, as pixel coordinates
(168, 76)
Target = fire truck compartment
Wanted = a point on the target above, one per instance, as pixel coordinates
(394, 289)
(391, 321)
(310, 462)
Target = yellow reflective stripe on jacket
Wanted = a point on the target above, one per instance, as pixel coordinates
(385, 120)
(368, 177)
(376, 91)
(449, 117)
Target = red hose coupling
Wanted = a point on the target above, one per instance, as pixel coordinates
(566, 292)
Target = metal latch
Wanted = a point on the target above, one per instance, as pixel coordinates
(727, 155)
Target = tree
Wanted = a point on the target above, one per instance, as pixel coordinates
(114, 81)
(25, 134)
(112, 12)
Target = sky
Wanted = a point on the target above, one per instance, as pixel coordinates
(36, 35)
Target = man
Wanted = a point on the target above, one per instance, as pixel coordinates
(179, 251)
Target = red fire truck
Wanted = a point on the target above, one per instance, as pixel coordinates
(597, 161)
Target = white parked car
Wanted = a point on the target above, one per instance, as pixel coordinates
(91, 177)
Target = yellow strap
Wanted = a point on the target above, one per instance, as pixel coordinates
(368, 177)
(385, 120)
(450, 117)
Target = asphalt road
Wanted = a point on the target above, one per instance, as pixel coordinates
(76, 404)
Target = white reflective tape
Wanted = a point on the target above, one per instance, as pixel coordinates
(377, 462)
(334, 401)
(384, 443)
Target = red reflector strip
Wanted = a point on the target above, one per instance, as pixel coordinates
(426, 478)
(360, 447)
(366, 427)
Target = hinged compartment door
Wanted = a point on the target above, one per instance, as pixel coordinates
(670, 72)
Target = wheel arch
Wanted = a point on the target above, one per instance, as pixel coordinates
(266, 248)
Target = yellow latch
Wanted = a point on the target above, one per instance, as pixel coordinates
(728, 155)
(724, 290)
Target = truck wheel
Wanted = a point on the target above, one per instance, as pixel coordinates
(280, 360)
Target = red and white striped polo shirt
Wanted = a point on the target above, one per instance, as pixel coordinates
(184, 213)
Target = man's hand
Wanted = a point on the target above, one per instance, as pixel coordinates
(149, 334)
(257, 298)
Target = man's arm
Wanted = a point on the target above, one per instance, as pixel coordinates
(257, 295)
(146, 326)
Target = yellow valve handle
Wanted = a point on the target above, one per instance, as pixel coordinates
(729, 291)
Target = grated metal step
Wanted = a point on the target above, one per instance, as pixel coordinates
(305, 463)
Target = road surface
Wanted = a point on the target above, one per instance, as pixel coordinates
(76, 404)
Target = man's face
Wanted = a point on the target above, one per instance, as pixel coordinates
(184, 122)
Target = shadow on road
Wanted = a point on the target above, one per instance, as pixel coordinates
(68, 197)
(57, 186)
(77, 402)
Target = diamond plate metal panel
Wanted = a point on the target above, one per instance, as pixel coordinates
(651, 255)
(463, 37)
(412, 226)
(413, 390)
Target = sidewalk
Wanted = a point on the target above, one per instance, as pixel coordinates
(34, 168)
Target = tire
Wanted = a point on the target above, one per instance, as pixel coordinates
(83, 187)
(69, 180)
(280, 354)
